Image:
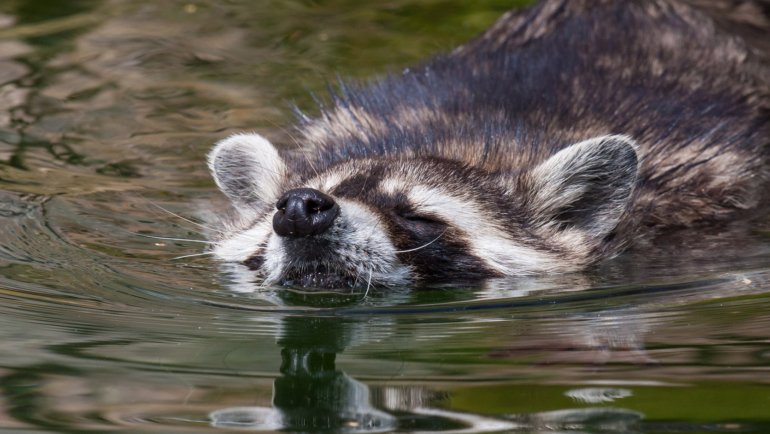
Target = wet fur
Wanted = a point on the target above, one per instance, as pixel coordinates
(480, 127)
(695, 98)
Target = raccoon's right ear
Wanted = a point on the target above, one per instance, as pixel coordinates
(585, 187)
(248, 169)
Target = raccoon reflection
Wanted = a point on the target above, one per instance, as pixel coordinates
(551, 142)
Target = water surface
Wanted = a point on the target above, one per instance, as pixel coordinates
(107, 109)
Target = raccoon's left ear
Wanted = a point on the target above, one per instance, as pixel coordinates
(248, 169)
(586, 186)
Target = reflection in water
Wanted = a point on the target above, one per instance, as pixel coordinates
(313, 394)
(584, 420)
(434, 373)
(597, 395)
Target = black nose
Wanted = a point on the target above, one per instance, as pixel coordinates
(304, 212)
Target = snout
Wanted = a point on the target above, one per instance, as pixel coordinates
(304, 212)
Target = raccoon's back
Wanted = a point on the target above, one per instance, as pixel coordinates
(693, 91)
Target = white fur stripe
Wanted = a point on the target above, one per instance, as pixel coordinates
(377, 254)
(486, 239)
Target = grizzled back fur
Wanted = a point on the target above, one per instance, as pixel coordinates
(549, 143)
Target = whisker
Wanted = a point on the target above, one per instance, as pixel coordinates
(171, 238)
(192, 255)
(193, 222)
(368, 285)
(424, 245)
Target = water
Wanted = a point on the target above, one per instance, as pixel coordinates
(107, 109)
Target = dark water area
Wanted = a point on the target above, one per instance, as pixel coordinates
(107, 110)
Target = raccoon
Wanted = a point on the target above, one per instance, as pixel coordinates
(553, 141)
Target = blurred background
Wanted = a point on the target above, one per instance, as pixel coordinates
(107, 324)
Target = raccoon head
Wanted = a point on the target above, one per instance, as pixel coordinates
(393, 221)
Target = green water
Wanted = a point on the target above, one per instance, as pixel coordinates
(107, 109)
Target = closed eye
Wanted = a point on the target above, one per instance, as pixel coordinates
(419, 218)
(409, 215)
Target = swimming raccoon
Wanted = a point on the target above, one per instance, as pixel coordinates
(549, 143)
